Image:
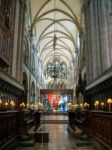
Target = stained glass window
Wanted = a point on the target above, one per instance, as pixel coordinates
(57, 69)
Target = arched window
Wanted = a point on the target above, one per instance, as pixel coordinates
(63, 66)
(48, 70)
(56, 65)
(63, 71)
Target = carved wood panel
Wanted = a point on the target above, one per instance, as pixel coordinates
(101, 126)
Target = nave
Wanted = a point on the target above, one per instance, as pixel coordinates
(56, 59)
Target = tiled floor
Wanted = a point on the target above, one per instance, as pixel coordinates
(59, 137)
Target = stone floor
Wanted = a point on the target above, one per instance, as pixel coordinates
(54, 117)
(59, 137)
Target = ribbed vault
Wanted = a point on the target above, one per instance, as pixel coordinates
(59, 17)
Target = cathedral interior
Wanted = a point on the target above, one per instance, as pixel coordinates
(56, 74)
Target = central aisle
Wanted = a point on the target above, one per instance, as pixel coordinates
(59, 137)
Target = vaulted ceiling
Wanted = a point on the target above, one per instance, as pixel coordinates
(60, 18)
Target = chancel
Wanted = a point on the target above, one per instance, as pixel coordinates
(56, 74)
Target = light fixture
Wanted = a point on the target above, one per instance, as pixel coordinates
(55, 70)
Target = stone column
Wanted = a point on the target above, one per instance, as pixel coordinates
(20, 41)
(98, 35)
(97, 39)
(93, 40)
(104, 33)
(88, 41)
(15, 40)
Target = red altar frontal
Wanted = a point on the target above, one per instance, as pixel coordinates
(56, 99)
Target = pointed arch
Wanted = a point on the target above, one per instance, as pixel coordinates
(69, 36)
(58, 10)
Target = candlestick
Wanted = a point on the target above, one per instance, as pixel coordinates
(109, 101)
(102, 105)
(96, 104)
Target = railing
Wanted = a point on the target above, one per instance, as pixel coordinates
(56, 86)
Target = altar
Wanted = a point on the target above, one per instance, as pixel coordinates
(56, 100)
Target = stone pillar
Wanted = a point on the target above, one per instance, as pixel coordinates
(93, 41)
(20, 41)
(88, 42)
(103, 7)
(15, 40)
(97, 39)
(98, 35)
